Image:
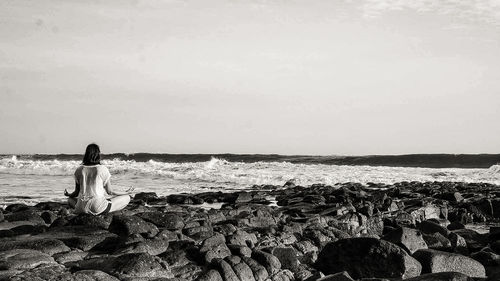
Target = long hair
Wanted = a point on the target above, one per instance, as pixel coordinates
(92, 155)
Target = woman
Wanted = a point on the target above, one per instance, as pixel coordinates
(92, 182)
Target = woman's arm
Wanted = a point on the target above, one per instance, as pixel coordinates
(111, 191)
(74, 193)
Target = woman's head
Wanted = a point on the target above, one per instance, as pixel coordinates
(92, 155)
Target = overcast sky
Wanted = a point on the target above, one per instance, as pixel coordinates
(288, 77)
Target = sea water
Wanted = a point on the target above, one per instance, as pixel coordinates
(31, 180)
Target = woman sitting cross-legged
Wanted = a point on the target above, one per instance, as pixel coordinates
(93, 188)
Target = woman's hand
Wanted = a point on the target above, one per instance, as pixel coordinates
(130, 190)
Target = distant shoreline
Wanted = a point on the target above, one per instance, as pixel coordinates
(406, 160)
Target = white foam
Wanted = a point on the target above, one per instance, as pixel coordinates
(50, 177)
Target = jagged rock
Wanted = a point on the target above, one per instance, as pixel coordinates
(454, 197)
(438, 261)
(458, 244)
(367, 257)
(475, 241)
(170, 221)
(47, 246)
(409, 239)
(146, 196)
(23, 259)
(129, 225)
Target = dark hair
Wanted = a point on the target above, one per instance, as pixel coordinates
(92, 155)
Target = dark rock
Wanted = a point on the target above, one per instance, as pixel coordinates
(430, 227)
(454, 197)
(23, 259)
(437, 241)
(50, 206)
(259, 272)
(269, 261)
(241, 269)
(48, 217)
(146, 196)
(409, 239)
(88, 220)
(243, 238)
(442, 276)
(26, 215)
(93, 275)
(170, 221)
(12, 208)
(28, 229)
(47, 246)
(367, 257)
(437, 261)
(214, 248)
(287, 257)
(486, 258)
(226, 271)
(129, 225)
(153, 247)
(455, 225)
(239, 250)
(211, 275)
(475, 241)
(2, 218)
(6, 233)
(458, 244)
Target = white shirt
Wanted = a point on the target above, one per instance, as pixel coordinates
(92, 180)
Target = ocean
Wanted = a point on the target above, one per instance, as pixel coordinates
(33, 178)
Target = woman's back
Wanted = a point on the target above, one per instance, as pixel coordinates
(92, 179)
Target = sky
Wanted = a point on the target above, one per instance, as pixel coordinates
(269, 76)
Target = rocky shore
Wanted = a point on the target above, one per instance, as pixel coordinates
(443, 231)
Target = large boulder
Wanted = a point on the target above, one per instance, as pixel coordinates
(170, 221)
(47, 246)
(129, 225)
(23, 259)
(409, 239)
(434, 261)
(366, 258)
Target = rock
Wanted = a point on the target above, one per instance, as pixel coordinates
(430, 227)
(170, 221)
(129, 225)
(136, 265)
(48, 217)
(2, 218)
(146, 196)
(72, 256)
(47, 246)
(91, 275)
(241, 269)
(454, 197)
(44, 273)
(259, 272)
(88, 220)
(486, 258)
(455, 225)
(367, 257)
(442, 276)
(458, 244)
(50, 206)
(225, 270)
(243, 238)
(211, 275)
(269, 261)
(429, 211)
(437, 241)
(12, 208)
(26, 215)
(340, 276)
(434, 261)
(287, 257)
(239, 250)
(23, 259)
(28, 229)
(409, 239)
(475, 241)
(151, 246)
(214, 248)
